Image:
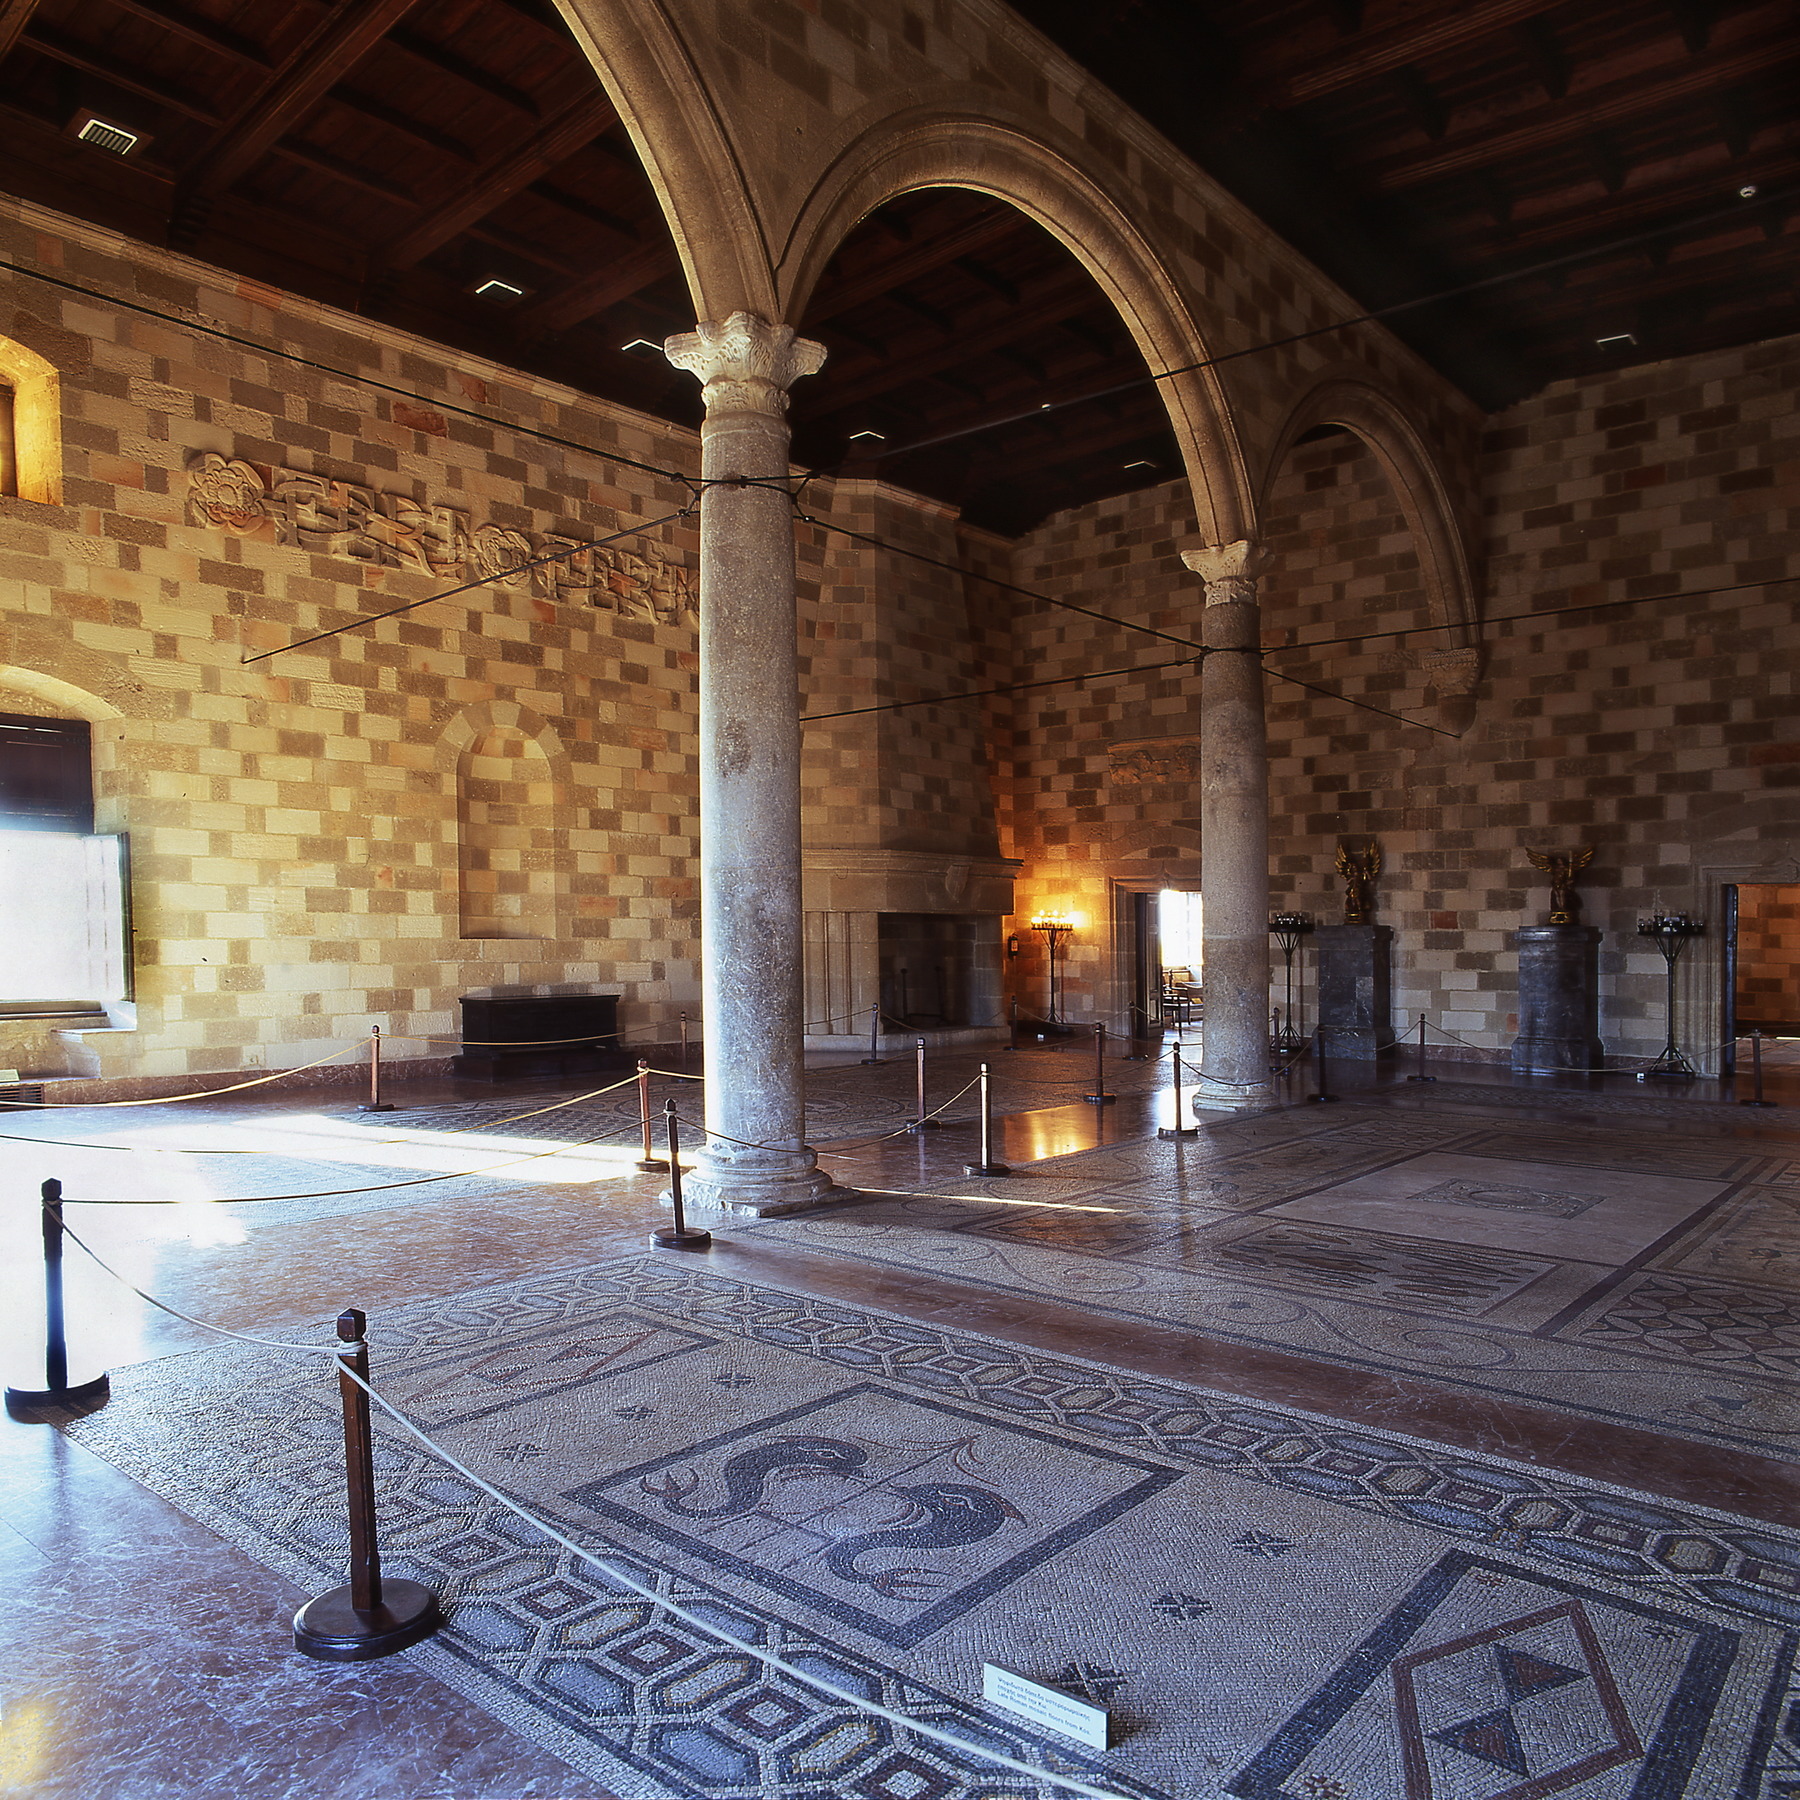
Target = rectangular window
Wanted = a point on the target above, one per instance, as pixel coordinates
(46, 774)
(65, 933)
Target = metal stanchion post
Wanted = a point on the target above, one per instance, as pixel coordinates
(684, 1043)
(921, 1123)
(1421, 1075)
(679, 1236)
(1100, 1097)
(1177, 1129)
(987, 1165)
(1324, 1097)
(873, 1059)
(1756, 1071)
(370, 1616)
(1012, 1021)
(649, 1162)
(375, 1103)
(56, 1390)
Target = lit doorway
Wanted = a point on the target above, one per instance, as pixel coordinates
(1180, 926)
(1762, 968)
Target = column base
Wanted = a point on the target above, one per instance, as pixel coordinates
(1216, 1096)
(760, 1190)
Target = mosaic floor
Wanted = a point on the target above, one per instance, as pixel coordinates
(909, 1503)
(1604, 1269)
(1421, 1498)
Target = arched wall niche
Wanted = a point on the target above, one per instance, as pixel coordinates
(926, 148)
(508, 774)
(36, 422)
(1421, 492)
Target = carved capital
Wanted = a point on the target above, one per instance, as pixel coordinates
(1229, 571)
(744, 363)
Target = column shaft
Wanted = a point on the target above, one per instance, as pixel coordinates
(1234, 827)
(752, 926)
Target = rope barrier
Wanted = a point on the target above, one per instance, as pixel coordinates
(19, 1137)
(622, 1578)
(175, 1312)
(1544, 1069)
(379, 1187)
(204, 1094)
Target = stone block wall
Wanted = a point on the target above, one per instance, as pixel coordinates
(313, 834)
(1662, 731)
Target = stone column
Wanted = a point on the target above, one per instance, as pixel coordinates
(1234, 828)
(752, 931)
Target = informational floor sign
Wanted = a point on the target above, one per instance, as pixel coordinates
(1078, 1719)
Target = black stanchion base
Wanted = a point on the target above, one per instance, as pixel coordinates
(85, 1396)
(383, 1106)
(874, 1062)
(986, 1169)
(685, 1239)
(1177, 1131)
(1421, 1078)
(651, 1165)
(330, 1629)
(923, 1124)
(1324, 1099)
(1100, 1099)
(1756, 1103)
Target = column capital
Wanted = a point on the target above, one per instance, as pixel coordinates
(744, 363)
(1229, 571)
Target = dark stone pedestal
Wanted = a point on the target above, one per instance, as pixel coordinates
(1559, 998)
(1355, 999)
(512, 1035)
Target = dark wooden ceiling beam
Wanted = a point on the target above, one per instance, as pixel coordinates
(121, 74)
(1597, 109)
(1096, 444)
(334, 47)
(209, 34)
(15, 15)
(421, 49)
(569, 131)
(871, 281)
(1370, 54)
(1577, 217)
(1073, 295)
(562, 307)
(1620, 294)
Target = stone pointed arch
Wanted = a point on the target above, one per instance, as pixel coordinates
(937, 146)
(1420, 490)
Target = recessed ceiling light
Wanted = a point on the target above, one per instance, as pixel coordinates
(640, 344)
(1620, 340)
(103, 134)
(496, 289)
(879, 436)
(1747, 191)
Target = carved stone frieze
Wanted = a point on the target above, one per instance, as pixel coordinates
(363, 524)
(1155, 762)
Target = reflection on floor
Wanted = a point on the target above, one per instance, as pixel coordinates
(1589, 1279)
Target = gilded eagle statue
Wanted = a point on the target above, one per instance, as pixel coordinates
(1562, 867)
(1359, 869)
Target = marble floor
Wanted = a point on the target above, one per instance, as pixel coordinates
(1582, 1276)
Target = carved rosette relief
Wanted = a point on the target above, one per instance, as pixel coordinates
(343, 518)
(744, 363)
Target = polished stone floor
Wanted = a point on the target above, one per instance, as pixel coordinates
(1654, 1229)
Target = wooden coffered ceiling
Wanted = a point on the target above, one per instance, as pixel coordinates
(394, 156)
